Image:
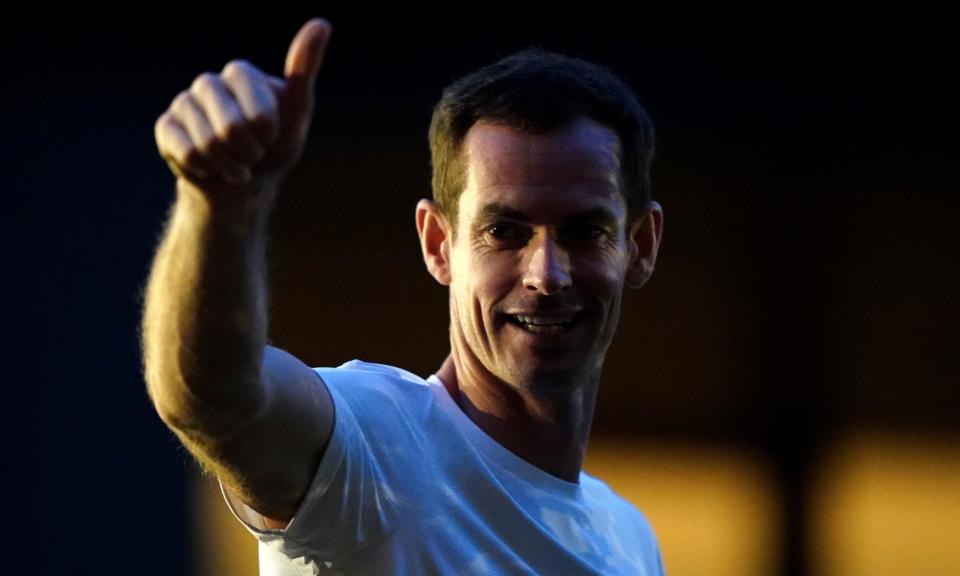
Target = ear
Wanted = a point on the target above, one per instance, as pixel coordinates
(644, 239)
(435, 238)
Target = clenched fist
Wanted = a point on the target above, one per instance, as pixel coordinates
(231, 132)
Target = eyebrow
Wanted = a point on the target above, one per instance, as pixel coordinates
(498, 210)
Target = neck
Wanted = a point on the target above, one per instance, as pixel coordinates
(550, 432)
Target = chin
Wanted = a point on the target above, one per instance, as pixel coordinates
(548, 379)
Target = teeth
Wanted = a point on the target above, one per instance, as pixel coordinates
(544, 329)
(545, 320)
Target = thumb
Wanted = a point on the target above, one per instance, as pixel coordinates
(304, 59)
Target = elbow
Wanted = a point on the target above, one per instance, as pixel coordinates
(220, 416)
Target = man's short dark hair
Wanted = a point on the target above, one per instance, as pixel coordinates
(536, 91)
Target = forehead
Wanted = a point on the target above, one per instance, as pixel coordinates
(545, 176)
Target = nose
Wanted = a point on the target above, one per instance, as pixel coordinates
(548, 268)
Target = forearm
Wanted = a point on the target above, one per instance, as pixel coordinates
(205, 315)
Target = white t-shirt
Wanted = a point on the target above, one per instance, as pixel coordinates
(409, 485)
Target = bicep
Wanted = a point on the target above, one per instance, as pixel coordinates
(270, 463)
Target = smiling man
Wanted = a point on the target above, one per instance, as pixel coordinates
(541, 217)
(536, 273)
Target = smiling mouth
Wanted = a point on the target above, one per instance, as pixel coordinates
(544, 323)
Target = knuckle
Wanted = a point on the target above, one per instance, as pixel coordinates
(163, 131)
(237, 68)
(162, 124)
(180, 102)
(204, 82)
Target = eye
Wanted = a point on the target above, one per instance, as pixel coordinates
(507, 232)
(585, 233)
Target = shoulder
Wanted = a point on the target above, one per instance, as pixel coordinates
(368, 386)
(602, 496)
(633, 531)
(360, 368)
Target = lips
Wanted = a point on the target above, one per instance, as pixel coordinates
(545, 323)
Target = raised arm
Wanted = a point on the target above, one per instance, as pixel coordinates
(252, 414)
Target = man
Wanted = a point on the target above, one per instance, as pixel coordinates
(542, 214)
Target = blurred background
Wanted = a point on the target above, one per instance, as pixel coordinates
(782, 397)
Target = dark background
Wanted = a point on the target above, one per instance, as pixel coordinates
(806, 283)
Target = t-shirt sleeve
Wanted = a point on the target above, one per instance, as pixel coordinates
(348, 503)
(650, 546)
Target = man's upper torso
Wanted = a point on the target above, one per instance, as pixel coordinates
(409, 485)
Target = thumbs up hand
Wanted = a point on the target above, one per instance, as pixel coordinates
(236, 132)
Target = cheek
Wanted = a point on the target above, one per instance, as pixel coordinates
(602, 277)
(473, 297)
(492, 275)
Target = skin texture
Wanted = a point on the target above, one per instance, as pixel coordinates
(542, 230)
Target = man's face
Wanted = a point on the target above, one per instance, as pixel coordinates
(541, 253)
